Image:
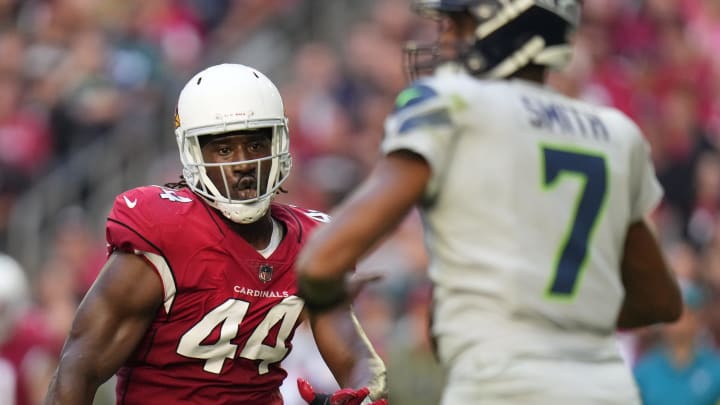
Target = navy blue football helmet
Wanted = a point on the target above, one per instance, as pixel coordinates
(509, 34)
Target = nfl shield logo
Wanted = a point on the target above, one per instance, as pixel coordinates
(265, 273)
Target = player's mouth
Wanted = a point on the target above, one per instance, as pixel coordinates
(246, 187)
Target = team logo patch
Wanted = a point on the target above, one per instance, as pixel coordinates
(413, 95)
(265, 273)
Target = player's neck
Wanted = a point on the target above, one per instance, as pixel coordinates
(257, 234)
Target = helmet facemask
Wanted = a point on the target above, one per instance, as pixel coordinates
(423, 59)
(270, 172)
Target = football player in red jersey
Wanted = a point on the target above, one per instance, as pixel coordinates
(27, 353)
(197, 302)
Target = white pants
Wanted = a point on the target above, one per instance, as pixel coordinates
(496, 381)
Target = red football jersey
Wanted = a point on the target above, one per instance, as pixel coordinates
(228, 315)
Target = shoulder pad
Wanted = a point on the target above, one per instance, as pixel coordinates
(415, 94)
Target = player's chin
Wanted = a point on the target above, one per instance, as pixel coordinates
(246, 194)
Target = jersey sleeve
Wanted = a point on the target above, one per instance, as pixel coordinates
(128, 227)
(138, 223)
(646, 191)
(421, 123)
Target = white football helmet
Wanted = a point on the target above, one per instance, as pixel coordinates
(226, 98)
(14, 294)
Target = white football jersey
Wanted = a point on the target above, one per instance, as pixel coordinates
(525, 214)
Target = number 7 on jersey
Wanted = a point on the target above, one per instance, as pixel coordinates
(590, 169)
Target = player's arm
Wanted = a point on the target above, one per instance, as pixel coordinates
(652, 294)
(108, 325)
(348, 352)
(396, 183)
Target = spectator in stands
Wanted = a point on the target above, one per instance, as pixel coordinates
(26, 357)
(684, 369)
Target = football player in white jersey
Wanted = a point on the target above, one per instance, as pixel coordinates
(534, 207)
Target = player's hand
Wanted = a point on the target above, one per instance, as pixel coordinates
(345, 396)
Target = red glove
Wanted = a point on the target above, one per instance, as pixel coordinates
(345, 396)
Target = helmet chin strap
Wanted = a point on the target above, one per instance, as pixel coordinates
(245, 213)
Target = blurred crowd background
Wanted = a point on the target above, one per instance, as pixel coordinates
(87, 93)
